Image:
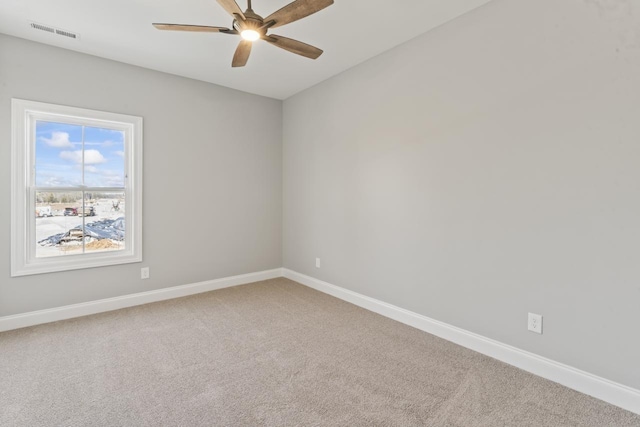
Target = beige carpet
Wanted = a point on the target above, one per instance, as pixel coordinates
(271, 353)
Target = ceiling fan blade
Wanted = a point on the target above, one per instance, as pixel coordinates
(294, 46)
(241, 56)
(296, 10)
(194, 28)
(232, 8)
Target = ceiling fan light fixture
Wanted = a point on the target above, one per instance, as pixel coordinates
(250, 35)
(251, 27)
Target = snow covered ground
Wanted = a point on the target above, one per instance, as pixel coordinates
(49, 226)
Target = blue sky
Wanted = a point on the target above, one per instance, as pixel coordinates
(59, 156)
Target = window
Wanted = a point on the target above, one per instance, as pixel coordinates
(76, 188)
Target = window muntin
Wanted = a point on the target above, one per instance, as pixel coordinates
(76, 188)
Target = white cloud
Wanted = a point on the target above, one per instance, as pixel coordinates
(113, 181)
(58, 181)
(119, 153)
(91, 157)
(57, 178)
(105, 178)
(58, 140)
(104, 144)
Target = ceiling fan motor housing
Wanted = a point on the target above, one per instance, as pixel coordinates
(252, 21)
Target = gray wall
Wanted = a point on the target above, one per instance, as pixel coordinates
(483, 170)
(212, 174)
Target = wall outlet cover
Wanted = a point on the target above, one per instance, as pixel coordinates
(535, 323)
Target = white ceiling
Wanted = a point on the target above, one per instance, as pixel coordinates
(350, 32)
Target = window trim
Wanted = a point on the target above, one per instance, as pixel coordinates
(24, 114)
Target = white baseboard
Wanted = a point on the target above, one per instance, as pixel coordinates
(77, 310)
(617, 394)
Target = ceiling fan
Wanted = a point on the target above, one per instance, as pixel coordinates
(251, 27)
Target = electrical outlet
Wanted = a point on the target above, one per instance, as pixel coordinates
(535, 323)
(144, 273)
(317, 262)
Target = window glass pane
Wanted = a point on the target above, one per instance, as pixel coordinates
(58, 154)
(61, 218)
(104, 157)
(105, 228)
(58, 219)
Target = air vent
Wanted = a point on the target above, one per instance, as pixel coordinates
(42, 27)
(66, 34)
(53, 30)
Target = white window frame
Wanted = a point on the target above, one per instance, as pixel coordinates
(24, 116)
